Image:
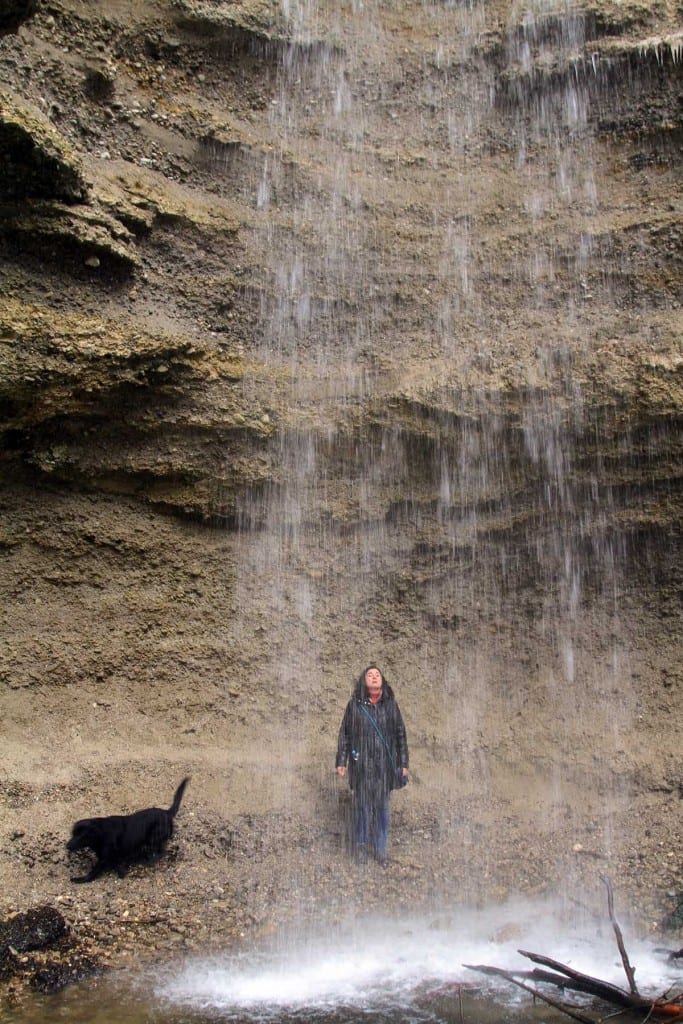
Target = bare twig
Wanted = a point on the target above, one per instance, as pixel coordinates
(630, 971)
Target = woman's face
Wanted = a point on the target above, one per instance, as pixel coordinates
(373, 681)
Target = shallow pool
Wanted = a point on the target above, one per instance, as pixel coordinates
(375, 971)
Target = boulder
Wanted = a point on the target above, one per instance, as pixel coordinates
(29, 930)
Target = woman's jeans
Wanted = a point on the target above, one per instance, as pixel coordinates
(371, 820)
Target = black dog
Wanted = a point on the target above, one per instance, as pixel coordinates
(122, 839)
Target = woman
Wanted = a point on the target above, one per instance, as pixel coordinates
(374, 750)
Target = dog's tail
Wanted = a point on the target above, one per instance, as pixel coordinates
(173, 809)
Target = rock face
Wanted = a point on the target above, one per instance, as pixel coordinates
(381, 308)
(73, 407)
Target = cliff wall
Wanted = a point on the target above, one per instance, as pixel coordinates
(328, 336)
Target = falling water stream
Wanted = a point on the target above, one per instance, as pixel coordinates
(364, 511)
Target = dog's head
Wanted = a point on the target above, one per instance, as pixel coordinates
(83, 835)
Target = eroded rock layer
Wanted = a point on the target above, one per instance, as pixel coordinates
(331, 334)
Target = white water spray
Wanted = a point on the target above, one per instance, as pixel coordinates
(380, 962)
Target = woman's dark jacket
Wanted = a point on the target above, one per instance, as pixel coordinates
(359, 746)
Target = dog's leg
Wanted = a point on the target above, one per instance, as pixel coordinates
(95, 872)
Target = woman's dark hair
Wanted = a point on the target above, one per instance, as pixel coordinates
(367, 669)
(360, 682)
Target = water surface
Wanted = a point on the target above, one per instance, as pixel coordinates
(374, 970)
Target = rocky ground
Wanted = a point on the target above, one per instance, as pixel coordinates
(319, 345)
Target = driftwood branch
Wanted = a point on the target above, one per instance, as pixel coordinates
(592, 986)
(498, 971)
(568, 978)
(565, 977)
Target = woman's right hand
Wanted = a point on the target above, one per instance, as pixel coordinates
(341, 770)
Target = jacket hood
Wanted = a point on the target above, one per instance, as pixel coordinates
(359, 691)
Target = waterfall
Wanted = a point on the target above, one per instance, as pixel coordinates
(435, 307)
